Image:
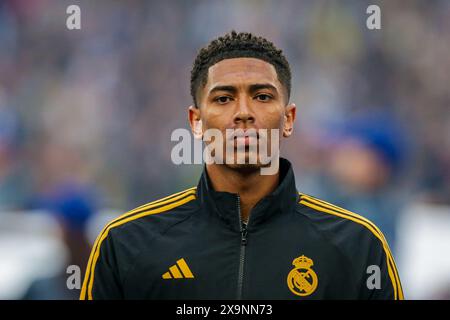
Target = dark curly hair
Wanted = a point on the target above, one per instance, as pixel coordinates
(238, 45)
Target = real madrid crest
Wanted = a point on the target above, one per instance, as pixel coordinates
(302, 280)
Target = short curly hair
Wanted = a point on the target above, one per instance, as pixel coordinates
(238, 45)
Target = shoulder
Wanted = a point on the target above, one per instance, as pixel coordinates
(356, 236)
(155, 215)
(341, 224)
(123, 238)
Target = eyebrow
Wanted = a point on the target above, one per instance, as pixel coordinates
(252, 88)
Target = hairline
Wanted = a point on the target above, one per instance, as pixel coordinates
(204, 81)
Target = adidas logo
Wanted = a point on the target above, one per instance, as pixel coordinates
(178, 271)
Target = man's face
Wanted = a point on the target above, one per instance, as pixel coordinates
(243, 93)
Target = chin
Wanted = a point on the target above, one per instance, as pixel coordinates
(245, 167)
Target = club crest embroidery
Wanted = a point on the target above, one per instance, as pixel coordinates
(302, 280)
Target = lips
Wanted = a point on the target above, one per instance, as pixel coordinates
(243, 140)
(240, 133)
(245, 137)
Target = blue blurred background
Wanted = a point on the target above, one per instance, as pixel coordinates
(86, 117)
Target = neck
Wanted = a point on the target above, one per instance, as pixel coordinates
(251, 186)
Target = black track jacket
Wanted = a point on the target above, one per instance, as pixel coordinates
(193, 245)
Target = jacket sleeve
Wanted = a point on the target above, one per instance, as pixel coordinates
(102, 278)
(381, 280)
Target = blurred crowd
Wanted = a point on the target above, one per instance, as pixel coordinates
(86, 115)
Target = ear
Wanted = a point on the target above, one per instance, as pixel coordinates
(289, 118)
(195, 122)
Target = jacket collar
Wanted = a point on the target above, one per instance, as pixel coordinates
(225, 204)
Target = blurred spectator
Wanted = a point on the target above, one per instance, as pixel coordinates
(363, 158)
(14, 187)
(72, 205)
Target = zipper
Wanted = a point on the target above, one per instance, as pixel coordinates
(243, 229)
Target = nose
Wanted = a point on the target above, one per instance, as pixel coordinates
(244, 112)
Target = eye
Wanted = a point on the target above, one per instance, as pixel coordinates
(222, 99)
(263, 97)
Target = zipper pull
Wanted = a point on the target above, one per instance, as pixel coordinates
(244, 234)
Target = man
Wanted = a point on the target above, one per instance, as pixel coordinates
(241, 234)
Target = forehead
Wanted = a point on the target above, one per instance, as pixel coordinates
(241, 71)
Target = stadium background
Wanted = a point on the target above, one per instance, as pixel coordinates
(86, 117)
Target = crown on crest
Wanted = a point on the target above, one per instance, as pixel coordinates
(302, 262)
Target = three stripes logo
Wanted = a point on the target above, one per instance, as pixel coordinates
(180, 270)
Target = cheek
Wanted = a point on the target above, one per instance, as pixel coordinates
(217, 118)
(272, 120)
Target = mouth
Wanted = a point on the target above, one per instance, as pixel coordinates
(243, 141)
(245, 137)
